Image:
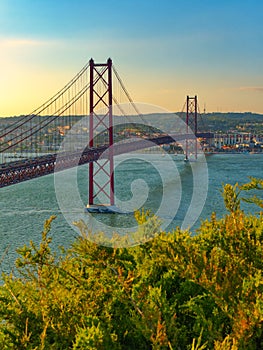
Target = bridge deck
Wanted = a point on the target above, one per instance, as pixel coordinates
(27, 169)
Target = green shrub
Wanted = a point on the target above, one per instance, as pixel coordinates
(175, 291)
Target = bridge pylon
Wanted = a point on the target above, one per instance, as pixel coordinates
(191, 126)
(101, 176)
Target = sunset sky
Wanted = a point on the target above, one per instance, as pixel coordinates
(162, 49)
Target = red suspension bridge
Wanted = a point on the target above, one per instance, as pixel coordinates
(87, 121)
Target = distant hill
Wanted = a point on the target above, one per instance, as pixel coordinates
(215, 121)
(242, 122)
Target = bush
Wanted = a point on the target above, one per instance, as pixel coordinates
(176, 291)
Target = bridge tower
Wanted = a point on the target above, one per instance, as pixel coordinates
(101, 177)
(191, 126)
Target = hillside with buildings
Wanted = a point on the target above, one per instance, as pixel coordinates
(232, 131)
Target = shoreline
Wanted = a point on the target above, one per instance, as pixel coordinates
(243, 153)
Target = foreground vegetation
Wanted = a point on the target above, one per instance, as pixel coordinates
(175, 291)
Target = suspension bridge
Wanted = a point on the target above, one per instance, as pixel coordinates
(90, 120)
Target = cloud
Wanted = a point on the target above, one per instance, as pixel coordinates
(17, 43)
(16, 50)
(251, 88)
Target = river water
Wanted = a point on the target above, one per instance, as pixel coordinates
(165, 184)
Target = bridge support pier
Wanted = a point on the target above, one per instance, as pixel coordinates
(101, 176)
(191, 126)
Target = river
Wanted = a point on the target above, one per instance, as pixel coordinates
(164, 184)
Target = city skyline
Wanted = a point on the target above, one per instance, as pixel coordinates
(163, 50)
